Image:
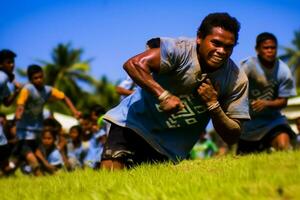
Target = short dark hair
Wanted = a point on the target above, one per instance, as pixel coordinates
(97, 109)
(153, 43)
(223, 20)
(33, 69)
(79, 130)
(52, 132)
(52, 124)
(263, 37)
(6, 54)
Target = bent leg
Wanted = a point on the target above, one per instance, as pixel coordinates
(112, 165)
(33, 162)
(281, 141)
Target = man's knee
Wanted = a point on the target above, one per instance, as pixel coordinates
(112, 165)
(281, 141)
(32, 160)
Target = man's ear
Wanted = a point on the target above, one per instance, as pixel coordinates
(198, 40)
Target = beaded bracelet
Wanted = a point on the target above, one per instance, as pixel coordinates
(166, 94)
(213, 106)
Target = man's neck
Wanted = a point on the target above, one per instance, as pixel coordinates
(266, 64)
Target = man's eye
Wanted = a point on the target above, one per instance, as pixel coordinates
(217, 43)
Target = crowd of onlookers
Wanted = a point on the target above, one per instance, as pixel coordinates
(79, 147)
(38, 144)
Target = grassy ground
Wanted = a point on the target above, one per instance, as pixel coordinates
(264, 176)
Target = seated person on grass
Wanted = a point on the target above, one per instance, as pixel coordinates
(47, 153)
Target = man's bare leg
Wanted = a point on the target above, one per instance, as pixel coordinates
(112, 165)
(281, 142)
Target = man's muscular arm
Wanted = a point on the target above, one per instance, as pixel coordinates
(229, 129)
(140, 68)
(260, 104)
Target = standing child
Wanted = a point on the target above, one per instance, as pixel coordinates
(29, 112)
(48, 155)
(7, 64)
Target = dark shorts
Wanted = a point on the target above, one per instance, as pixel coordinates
(246, 147)
(126, 146)
(23, 147)
(4, 153)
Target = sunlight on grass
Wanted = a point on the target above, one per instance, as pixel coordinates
(264, 176)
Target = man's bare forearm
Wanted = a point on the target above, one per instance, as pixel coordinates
(229, 129)
(277, 103)
(19, 112)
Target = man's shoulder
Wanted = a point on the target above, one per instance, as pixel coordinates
(29, 86)
(249, 61)
(3, 77)
(48, 88)
(177, 42)
(231, 65)
(283, 65)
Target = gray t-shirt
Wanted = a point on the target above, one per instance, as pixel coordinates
(174, 135)
(266, 84)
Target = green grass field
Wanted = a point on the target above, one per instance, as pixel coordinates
(264, 176)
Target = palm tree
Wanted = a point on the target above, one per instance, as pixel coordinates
(105, 93)
(65, 71)
(292, 57)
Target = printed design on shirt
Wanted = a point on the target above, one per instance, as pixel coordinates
(187, 116)
(267, 93)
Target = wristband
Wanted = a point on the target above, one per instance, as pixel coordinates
(166, 94)
(213, 106)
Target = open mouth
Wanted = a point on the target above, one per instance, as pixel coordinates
(217, 60)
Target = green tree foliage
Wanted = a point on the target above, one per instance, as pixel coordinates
(292, 57)
(65, 71)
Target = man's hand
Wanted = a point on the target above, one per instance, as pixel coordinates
(207, 92)
(18, 86)
(259, 105)
(77, 114)
(50, 168)
(171, 104)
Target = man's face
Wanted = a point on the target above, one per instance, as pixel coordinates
(8, 65)
(37, 79)
(215, 48)
(267, 50)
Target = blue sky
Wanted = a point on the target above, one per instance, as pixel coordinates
(110, 32)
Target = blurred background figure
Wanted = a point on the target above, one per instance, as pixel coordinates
(48, 155)
(204, 148)
(270, 85)
(75, 151)
(297, 141)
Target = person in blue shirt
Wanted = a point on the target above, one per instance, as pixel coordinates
(99, 136)
(47, 153)
(182, 85)
(7, 64)
(270, 85)
(75, 151)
